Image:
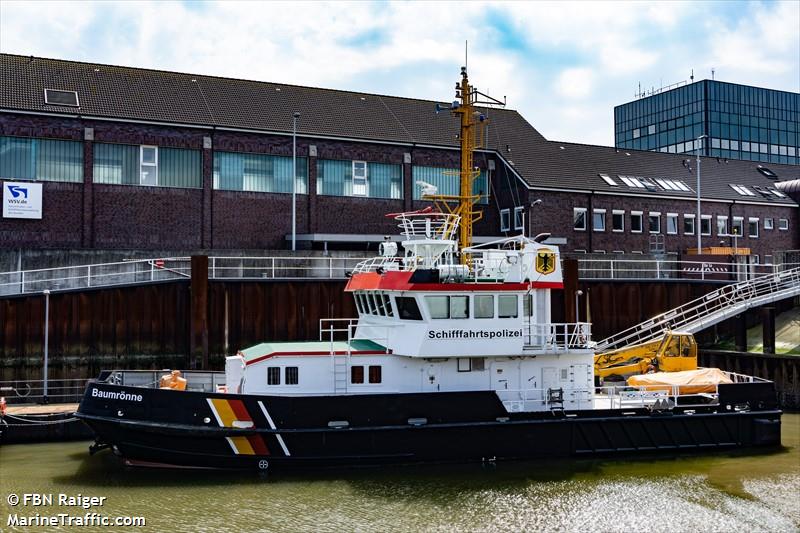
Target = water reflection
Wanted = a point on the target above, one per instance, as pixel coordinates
(720, 492)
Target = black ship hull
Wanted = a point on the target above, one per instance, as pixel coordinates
(152, 427)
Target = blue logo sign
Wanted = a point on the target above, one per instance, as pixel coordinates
(16, 191)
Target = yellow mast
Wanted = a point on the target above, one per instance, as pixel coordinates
(472, 136)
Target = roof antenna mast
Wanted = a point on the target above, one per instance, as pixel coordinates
(472, 136)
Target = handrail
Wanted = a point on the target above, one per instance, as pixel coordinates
(142, 271)
(709, 309)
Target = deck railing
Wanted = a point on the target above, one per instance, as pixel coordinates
(557, 337)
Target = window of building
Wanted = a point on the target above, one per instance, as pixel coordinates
(769, 223)
(737, 226)
(654, 222)
(291, 375)
(755, 259)
(752, 227)
(407, 308)
(579, 218)
(258, 173)
(41, 159)
(618, 220)
(636, 221)
(148, 165)
(356, 374)
(375, 374)
(360, 183)
(767, 259)
(519, 218)
(274, 375)
(599, 220)
(722, 226)
(688, 224)
(505, 220)
(672, 223)
(484, 305)
(357, 178)
(448, 182)
(507, 306)
(464, 364)
(783, 224)
(705, 225)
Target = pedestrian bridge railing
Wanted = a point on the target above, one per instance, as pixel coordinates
(143, 271)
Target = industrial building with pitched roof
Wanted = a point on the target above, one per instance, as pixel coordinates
(140, 159)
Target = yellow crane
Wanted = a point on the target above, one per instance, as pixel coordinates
(675, 352)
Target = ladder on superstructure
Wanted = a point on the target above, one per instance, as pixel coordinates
(709, 309)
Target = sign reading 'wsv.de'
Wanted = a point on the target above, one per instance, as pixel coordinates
(22, 200)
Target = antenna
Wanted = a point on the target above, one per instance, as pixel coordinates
(466, 53)
(692, 76)
(712, 73)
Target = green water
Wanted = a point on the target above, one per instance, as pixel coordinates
(722, 492)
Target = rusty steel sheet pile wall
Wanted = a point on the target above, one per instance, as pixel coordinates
(137, 326)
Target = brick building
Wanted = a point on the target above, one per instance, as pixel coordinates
(151, 160)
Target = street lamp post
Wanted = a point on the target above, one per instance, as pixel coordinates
(530, 217)
(46, 343)
(699, 228)
(294, 180)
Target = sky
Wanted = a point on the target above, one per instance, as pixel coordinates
(562, 65)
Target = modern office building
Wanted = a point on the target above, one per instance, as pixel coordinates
(133, 159)
(741, 122)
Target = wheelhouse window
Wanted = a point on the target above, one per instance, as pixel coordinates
(484, 305)
(464, 364)
(507, 306)
(375, 374)
(407, 308)
(356, 374)
(291, 375)
(636, 221)
(448, 306)
(274, 375)
(579, 219)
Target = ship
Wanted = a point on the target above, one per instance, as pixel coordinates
(453, 357)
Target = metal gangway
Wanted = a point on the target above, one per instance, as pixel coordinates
(709, 309)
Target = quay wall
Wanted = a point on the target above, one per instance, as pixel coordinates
(152, 326)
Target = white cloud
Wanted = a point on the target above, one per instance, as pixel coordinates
(563, 65)
(575, 82)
